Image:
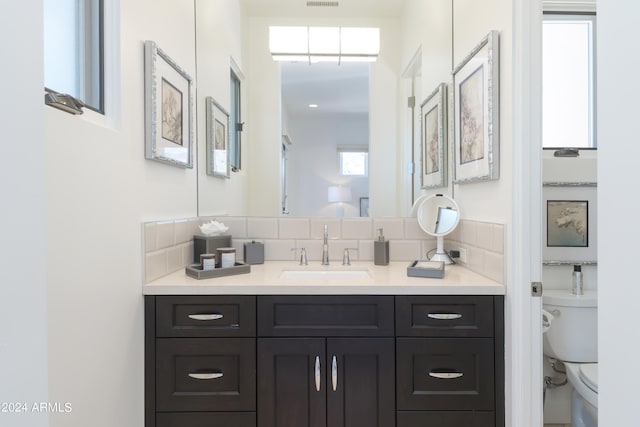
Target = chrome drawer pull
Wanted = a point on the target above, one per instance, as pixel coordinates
(446, 375)
(317, 373)
(207, 375)
(214, 316)
(444, 316)
(334, 374)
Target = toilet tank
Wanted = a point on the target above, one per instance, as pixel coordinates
(572, 336)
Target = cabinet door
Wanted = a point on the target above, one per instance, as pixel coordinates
(360, 382)
(291, 383)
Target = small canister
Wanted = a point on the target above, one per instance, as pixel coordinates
(208, 261)
(254, 252)
(227, 257)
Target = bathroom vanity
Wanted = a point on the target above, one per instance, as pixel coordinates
(279, 352)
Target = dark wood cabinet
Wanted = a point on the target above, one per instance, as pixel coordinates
(318, 382)
(200, 361)
(291, 389)
(324, 361)
(450, 361)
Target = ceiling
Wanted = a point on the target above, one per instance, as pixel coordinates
(345, 8)
(334, 88)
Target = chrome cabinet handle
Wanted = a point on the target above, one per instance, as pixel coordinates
(334, 373)
(446, 375)
(213, 316)
(206, 375)
(444, 316)
(317, 373)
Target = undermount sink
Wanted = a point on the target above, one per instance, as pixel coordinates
(325, 274)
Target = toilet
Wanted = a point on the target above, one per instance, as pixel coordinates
(571, 338)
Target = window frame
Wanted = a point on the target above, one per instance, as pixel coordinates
(86, 47)
(554, 14)
(343, 150)
(235, 140)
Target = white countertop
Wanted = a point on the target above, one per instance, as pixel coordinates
(264, 279)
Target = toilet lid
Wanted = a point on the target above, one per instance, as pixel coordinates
(589, 375)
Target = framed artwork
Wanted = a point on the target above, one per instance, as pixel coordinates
(217, 140)
(168, 109)
(476, 124)
(364, 206)
(570, 224)
(434, 138)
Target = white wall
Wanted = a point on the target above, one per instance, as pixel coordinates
(219, 38)
(23, 285)
(314, 162)
(618, 151)
(99, 189)
(264, 121)
(472, 22)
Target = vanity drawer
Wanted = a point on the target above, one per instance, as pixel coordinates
(205, 316)
(444, 316)
(445, 419)
(205, 374)
(319, 315)
(212, 419)
(445, 374)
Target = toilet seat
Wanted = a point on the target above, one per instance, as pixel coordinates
(584, 379)
(589, 375)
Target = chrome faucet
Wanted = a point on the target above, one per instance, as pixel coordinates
(325, 246)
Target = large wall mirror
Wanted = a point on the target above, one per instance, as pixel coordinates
(325, 123)
(291, 155)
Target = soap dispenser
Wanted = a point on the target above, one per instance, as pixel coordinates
(381, 250)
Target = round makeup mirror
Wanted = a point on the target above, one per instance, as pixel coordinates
(438, 215)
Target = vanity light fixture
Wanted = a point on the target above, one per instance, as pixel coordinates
(324, 44)
(313, 105)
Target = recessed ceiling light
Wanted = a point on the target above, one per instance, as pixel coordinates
(313, 105)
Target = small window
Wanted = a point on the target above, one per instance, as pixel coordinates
(354, 162)
(568, 80)
(235, 135)
(73, 50)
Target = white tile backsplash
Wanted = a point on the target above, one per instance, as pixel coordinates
(484, 235)
(334, 226)
(357, 228)
(494, 266)
(175, 258)
(165, 234)
(294, 228)
(279, 250)
(150, 239)
(392, 228)
(412, 230)
(404, 250)
(498, 238)
(169, 244)
(365, 250)
(155, 265)
(237, 226)
(468, 232)
(183, 230)
(262, 228)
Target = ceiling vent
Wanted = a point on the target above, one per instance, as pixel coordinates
(322, 4)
